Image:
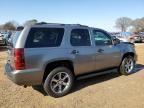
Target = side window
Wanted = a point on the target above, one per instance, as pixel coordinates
(44, 37)
(80, 37)
(101, 38)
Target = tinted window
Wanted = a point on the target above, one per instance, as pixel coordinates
(44, 37)
(80, 37)
(102, 38)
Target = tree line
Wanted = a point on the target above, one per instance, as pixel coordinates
(123, 24)
(12, 25)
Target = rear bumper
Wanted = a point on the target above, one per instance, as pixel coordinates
(23, 77)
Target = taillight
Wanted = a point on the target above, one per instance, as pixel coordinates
(19, 59)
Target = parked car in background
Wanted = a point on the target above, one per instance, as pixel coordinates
(141, 34)
(2, 40)
(131, 37)
(54, 55)
(7, 37)
(119, 36)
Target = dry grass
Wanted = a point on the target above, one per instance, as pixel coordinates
(108, 91)
(140, 52)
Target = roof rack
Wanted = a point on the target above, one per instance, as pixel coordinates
(41, 23)
(78, 25)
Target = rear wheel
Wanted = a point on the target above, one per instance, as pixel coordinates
(59, 82)
(127, 65)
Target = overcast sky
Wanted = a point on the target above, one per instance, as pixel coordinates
(97, 13)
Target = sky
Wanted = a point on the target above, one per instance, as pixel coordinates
(95, 13)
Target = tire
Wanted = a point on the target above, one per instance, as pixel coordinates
(127, 65)
(59, 82)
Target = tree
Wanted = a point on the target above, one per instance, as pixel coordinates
(138, 25)
(9, 26)
(29, 22)
(123, 23)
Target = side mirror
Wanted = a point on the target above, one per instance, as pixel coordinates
(116, 41)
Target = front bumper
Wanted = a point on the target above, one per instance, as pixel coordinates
(23, 77)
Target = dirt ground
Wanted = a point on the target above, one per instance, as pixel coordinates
(107, 91)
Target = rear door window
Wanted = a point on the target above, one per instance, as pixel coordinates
(80, 37)
(44, 37)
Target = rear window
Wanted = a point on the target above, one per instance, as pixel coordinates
(15, 36)
(44, 37)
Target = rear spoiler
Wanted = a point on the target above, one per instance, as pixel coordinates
(19, 28)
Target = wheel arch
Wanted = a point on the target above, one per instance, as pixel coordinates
(129, 54)
(63, 63)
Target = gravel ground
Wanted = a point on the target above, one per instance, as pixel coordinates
(107, 91)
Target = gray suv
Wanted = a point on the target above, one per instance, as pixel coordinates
(54, 55)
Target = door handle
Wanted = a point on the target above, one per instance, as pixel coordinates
(75, 52)
(100, 50)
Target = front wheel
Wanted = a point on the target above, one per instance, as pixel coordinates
(127, 65)
(59, 82)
